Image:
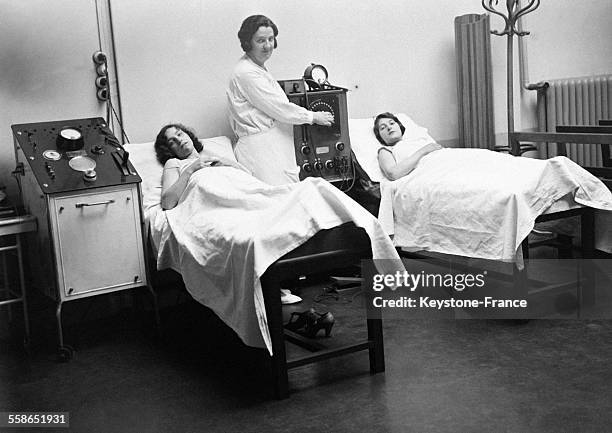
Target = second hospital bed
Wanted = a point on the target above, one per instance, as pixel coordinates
(478, 203)
(234, 240)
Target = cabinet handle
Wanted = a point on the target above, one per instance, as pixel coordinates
(96, 203)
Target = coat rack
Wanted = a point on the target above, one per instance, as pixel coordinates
(515, 11)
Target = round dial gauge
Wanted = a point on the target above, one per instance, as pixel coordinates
(319, 74)
(319, 105)
(316, 74)
(70, 134)
(82, 163)
(52, 155)
(70, 139)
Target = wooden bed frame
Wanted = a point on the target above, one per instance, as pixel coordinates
(523, 285)
(327, 251)
(347, 244)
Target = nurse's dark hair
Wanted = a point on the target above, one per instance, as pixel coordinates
(386, 115)
(250, 26)
(162, 147)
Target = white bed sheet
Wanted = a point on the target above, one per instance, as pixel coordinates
(480, 203)
(508, 193)
(229, 228)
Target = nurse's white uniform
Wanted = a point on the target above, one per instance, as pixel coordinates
(261, 116)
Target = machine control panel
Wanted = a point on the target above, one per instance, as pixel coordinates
(71, 155)
(321, 151)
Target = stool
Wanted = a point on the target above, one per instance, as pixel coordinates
(14, 226)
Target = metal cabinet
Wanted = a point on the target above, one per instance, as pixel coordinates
(97, 240)
(90, 223)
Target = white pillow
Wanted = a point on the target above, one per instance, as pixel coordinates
(142, 157)
(365, 145)
(220, 147)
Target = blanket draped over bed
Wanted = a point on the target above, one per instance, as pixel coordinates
(479, 203)
(229, 228)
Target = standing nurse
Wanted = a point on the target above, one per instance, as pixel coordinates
(259, 111)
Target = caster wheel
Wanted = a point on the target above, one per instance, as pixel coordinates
(66, 353)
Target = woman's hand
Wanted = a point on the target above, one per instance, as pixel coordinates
(211, 162)
(195, 166)
(431, 147)
(324, 118)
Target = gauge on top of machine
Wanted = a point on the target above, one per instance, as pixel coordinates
(70, 138)
(316, 75)
(82, 163)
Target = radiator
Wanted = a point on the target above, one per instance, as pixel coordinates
(474, 81)
(575, 101)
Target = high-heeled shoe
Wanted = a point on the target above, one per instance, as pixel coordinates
(298, 321)
(323, 321)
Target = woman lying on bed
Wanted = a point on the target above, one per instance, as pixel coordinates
(222, 228)
(470, 202)
(397, 161)
(177, 149)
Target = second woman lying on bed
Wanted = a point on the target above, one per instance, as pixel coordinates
(397, 161)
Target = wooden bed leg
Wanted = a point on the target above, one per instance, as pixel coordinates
(377, 349)
(274, 313)
(525, 248)
(375, 335)
(587, 232)
(587, 240)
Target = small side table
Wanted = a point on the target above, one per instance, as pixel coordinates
(11, 229)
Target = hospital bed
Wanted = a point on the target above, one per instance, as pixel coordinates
(246, 295)
(404, 204)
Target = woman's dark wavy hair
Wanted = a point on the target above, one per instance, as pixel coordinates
(386, 115)
(162, 147)
(250, 26)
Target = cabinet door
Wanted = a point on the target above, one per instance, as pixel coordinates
(98, 242)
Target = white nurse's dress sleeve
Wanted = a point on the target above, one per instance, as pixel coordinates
(267, 96)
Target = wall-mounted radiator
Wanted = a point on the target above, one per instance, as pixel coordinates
(474, 81)
(575, 101)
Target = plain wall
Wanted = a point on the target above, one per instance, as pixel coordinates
(174, 58)
(567, 39)
(395, 55)
(46, 68)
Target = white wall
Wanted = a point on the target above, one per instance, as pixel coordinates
(174, 64)
(46, 70)
(568, 39)
(174, 58)
(394, 55)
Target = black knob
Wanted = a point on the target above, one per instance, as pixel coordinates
(307, 167)
(340, 146)
(305, 150)
(318, 166)
(329, 164)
